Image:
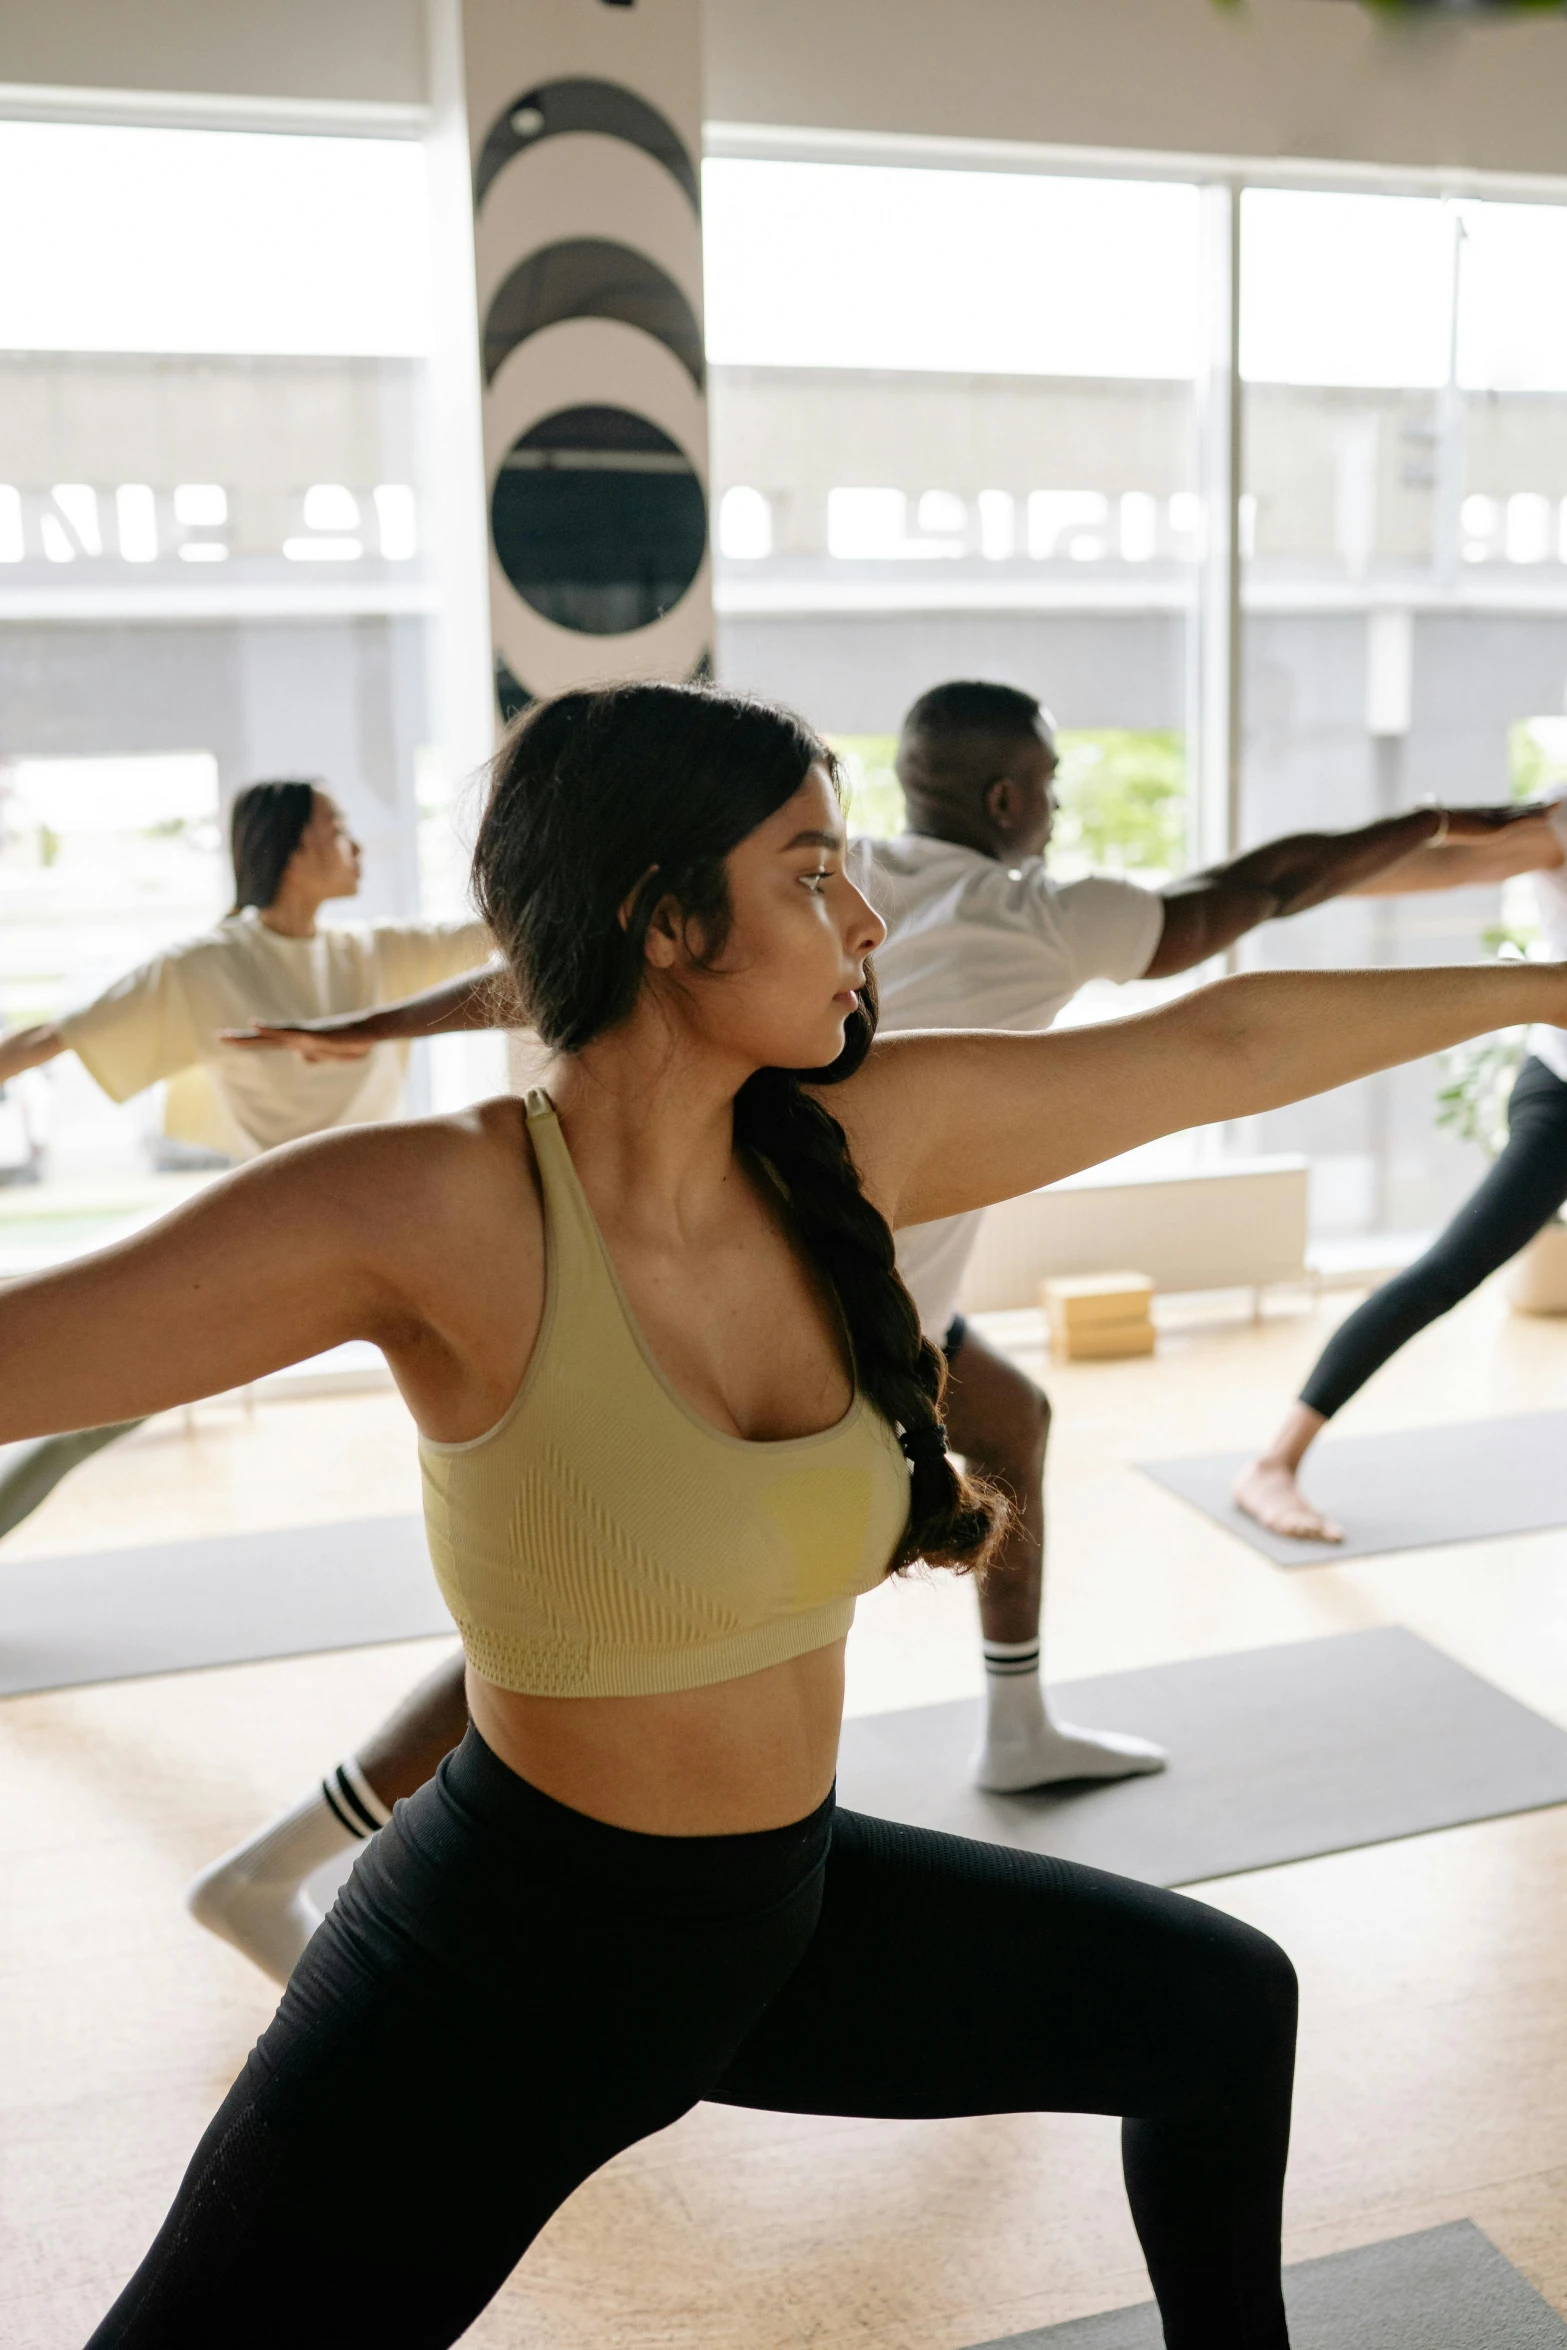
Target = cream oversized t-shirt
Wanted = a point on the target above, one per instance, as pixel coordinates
(975, 944)
(163, 1021)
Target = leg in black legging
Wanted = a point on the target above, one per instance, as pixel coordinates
(476, 2029)
(1520, 1194)
(1136, 2002)
(507, 1994)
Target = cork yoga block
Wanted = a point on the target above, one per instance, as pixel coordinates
(1086, 1298)
(1103, 1342)
(1099, 1315)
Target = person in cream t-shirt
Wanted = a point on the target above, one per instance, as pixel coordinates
(266, 959)
(169, 1018)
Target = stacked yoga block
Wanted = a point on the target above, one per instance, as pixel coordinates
(1099, 1314)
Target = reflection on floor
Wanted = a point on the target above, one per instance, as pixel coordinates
(1434, 2057)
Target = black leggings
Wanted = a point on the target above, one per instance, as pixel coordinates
(507, 1993)
(1522, 1191)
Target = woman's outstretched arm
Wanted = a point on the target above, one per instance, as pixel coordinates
(940, 1122)
(351, 1235)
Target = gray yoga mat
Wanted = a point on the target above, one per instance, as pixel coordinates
(1412, 1489)
(1276, 1754)
(114, 1615)
(1447, 2288)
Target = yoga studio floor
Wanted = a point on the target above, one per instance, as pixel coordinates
(1433, 2079)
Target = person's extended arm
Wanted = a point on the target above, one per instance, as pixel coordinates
(948, 1120)
(473, 1000)
(1529, 844)
(1206, 912)
(248, 1277)
(29, 1048)
(363, 1233)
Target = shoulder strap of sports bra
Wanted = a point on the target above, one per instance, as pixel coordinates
(565, 1201)
(591, 1312)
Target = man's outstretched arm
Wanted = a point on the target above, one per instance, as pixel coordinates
(1530, 844)
(1206, 912)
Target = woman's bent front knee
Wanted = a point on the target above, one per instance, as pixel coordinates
(1254, 1993)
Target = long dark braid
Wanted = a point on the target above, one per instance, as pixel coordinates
(953, 1520)
(606, 803)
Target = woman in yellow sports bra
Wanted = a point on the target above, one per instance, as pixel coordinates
(676, 1413)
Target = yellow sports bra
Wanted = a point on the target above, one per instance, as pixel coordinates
(603, 1540)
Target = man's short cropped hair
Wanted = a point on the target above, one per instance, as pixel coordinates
(972, 706)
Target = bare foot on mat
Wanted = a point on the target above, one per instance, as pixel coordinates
(1267, 1491)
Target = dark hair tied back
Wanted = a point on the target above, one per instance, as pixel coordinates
(626, 797)
(266, 825)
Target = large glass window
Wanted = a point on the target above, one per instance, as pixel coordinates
(1511, 365)
(953, 436)
(1405, 453)
(1346, 305)
(215, 540)
(955, 422)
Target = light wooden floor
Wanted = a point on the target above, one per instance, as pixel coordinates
(1433, 2080)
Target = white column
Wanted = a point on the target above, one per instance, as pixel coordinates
(463, 680)
(584, 134)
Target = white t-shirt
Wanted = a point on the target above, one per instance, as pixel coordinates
(1550, 896)
(975, 944)
(163, 1021)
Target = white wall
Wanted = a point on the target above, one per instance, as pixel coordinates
(358, 50)
(1305, 78)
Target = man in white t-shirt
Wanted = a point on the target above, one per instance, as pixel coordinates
(979, 936)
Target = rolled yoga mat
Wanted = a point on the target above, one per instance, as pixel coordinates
(1411, 1489)
(114, 1615)
(1447, 2288)
(1276, 1754)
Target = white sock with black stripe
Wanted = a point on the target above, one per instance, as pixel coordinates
(1020, 1746)
(257, 1896)
(1011, 1660)
(354, 1800)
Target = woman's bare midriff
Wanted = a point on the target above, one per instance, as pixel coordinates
(727, 1760)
